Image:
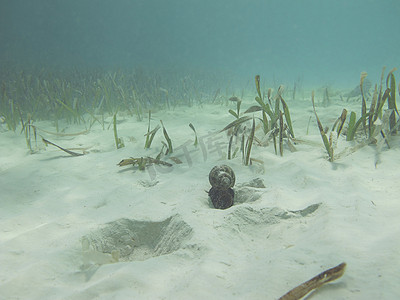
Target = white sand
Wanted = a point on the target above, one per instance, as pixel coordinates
(56, 210)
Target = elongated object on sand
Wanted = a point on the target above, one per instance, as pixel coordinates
(61, 148)
(314, 283)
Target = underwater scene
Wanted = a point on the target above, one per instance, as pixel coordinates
(192, 149)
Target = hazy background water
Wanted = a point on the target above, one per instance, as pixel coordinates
(321, 42)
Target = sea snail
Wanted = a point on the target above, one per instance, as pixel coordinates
(222, 179)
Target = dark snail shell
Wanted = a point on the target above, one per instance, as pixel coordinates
(221, 199)
(222, 177)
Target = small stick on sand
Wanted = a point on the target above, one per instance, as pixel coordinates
(61, 148)
(314, 283)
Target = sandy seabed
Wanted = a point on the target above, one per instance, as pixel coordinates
(85, 228)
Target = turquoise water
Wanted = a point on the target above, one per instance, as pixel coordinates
(321, 42)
